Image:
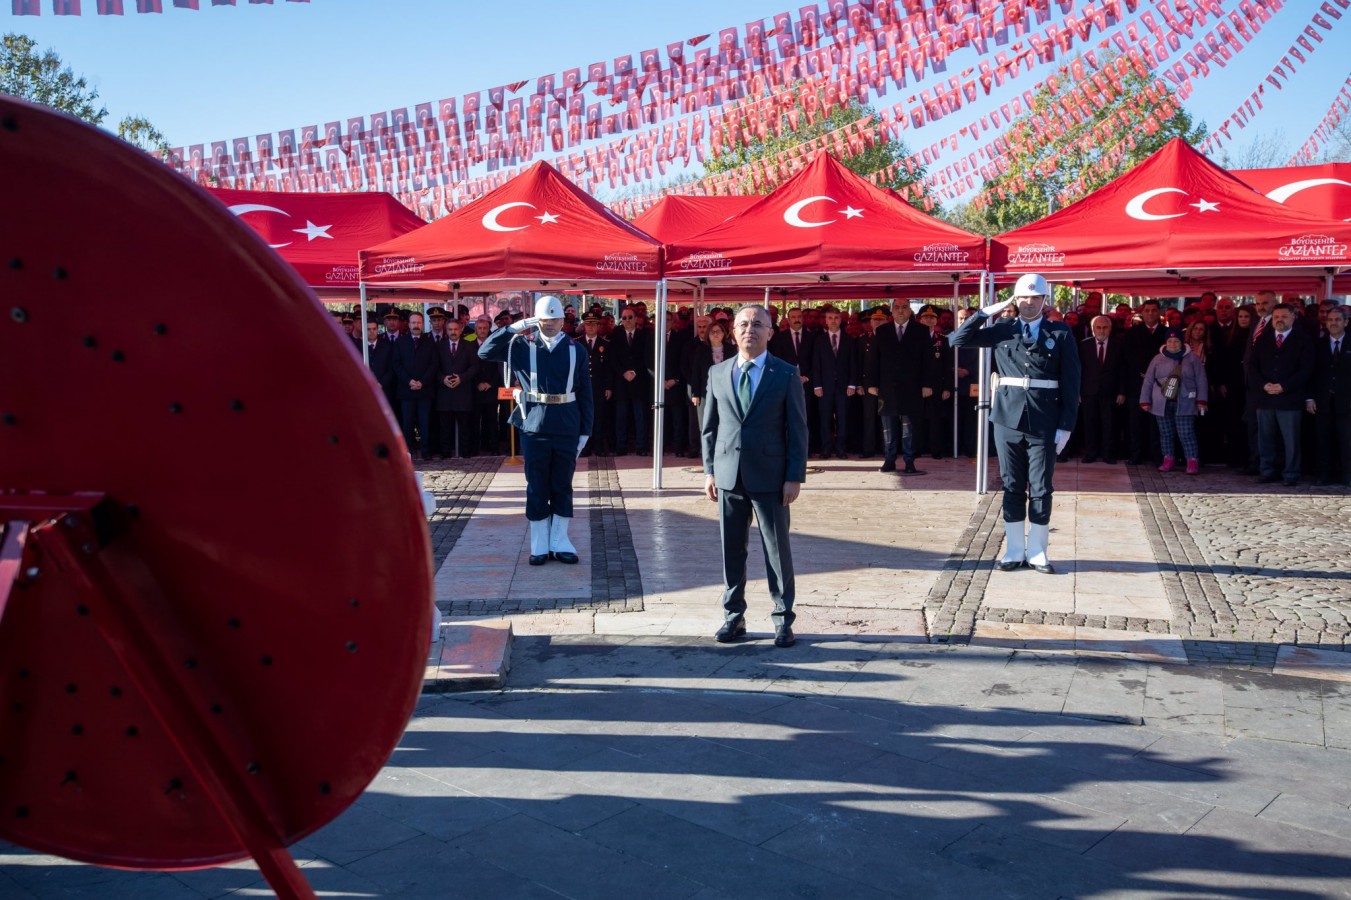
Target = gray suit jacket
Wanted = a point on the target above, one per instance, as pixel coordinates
(768, 446)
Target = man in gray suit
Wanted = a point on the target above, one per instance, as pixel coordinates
(755, 459)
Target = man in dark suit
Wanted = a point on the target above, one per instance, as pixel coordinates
(1101, 390)
(415, 370)
(676, 397)
(896, 376)
(458, 367)
(1035, 403)
(755, 460)
(379, 358)
(793, 345)
(1280, 369)
(1142, 345)
(1330, 400)
(631, 367)
(1228, 344)
(484, 427)
(598, 364)
(835, 378)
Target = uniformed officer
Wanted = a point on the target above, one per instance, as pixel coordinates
(1036, 400)
(553, 413)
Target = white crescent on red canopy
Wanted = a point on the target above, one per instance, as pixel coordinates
(242, 209)
(793, 214)
(490, 217)
(1136, 207)
(1286, 191)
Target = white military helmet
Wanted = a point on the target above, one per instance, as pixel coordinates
(548, 307)
(1031, 286)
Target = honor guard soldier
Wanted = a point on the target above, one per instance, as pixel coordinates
(1035, 390)
(554, 412)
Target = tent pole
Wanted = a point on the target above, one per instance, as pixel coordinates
(659, 387)
(1327, 287)
(983, 398)
(365, 344)
(767, 305)
(956, 399)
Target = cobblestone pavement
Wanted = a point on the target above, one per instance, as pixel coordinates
(1245, 569)
(458, 485)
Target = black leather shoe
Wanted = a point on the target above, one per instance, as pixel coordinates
(784, 637)
(1268, 479)
(731, 630)
(1109, 460)
(911, 470)
(538, 559)
(564, 556)
(888, 466)
(1291, 482)
(1090, 459)
(1047, 569)
(1011, 566)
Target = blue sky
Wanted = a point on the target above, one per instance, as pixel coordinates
(224, 72)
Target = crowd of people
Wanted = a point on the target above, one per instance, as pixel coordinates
(1264, 387)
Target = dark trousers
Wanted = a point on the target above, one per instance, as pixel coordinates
(694, 422)
(898, 430)
(1332, 425)
(869, 426)
(454, 425)
(1099, 426)
(1026, 466)
(417, 420)
(1278, 431)
(600, 425)
(485, 433)
(832, 408)
(1144, 433)
(968, 424)
(935, 425)
(675, 436)
(813, 418)
(624, 411)
(550, 463)
(734, 528)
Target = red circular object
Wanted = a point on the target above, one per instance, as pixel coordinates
(266, 542)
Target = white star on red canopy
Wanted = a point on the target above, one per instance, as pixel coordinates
(851, 213)
(313, 231)
(547, 218)
(1205, 206)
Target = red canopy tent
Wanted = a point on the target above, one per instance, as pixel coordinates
(1177, 224)
(676, 217)
(538, 231)
(1322, 190)
(336, 227)
(827, 225)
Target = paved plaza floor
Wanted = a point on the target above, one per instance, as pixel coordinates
(1169, 715)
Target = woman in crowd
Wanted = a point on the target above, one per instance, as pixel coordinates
(1199, 345)
(712, 350)
(1174, 392)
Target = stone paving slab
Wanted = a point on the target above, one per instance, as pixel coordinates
(651, 766)
(469, 657)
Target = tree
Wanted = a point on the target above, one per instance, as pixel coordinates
(137, 131)
(1266, 150)
(1051, 166)
(41, 78)
(882, 154)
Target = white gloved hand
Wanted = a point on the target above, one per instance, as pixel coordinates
(995, 309)
(1061, 439)
(581, 442)
(523, 325)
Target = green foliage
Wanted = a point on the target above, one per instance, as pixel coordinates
(1048, 171)
(869, 160)
(138, 131)
(40, 77)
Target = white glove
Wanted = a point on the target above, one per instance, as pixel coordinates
(581, 442)
(995, 309)
(1061, 439)
(523, 325)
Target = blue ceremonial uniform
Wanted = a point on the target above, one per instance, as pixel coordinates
(549, 431)
(1026, 418)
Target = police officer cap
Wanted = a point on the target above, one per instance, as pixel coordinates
(392, 314)
(591, 318)
(436, 312)
(1031, 286)
(548, 308)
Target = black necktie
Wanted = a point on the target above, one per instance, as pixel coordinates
(1027, 333)
(452, 348)
(1336, 346)
(415, 340)
(1102, 352)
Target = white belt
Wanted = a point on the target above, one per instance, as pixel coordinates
(550, 399)
(1026, 383)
